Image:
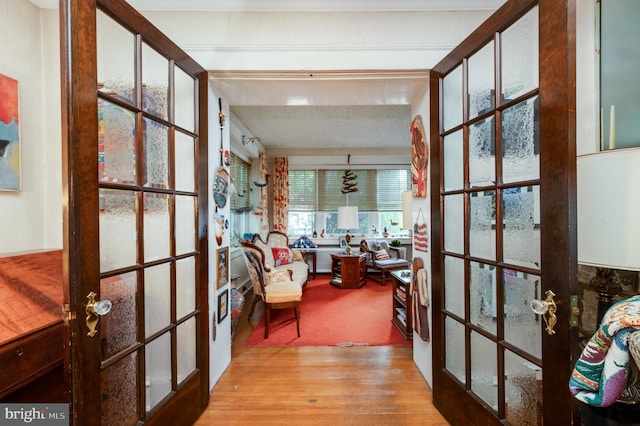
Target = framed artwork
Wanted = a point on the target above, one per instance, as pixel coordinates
(419, 158)
(343, 242)
(9, 135)
(222, 266)
(223, 305)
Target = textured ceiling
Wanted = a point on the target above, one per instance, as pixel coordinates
(368, 126)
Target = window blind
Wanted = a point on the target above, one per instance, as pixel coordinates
(321, 190)
(240, 171)
(302, 190)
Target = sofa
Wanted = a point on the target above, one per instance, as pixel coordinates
(277, 256)
(280, 263)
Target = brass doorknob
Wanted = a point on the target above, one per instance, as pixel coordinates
(93, 310)
(547, 308)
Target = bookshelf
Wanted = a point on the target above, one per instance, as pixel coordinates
(401, 318)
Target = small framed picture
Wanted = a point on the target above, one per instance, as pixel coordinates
(343, 242)
(222, 267)
(223, 305)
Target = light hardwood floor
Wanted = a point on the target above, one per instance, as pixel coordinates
(323, 385)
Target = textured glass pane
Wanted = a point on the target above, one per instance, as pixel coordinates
(157, 298)
(482, 294)
(454, 357)
(117, 217)
(481, 81)
(484, 366)
(454, 223)
(185, 286)
(156, 150)
(118, 328)
(523, 391)
(521, 142)
(482, 153)
(157, 231)
(186, 348)
(185, 160)
(120, 392)
(115, 51)
(185, 224)
(116, 144)
(482, 232)
(185, 97)
(453, 162)
(452, 98)
(158, 370)
(522, 327)
(155, 83)
(521, 236)
(520, 56)
(454, 285)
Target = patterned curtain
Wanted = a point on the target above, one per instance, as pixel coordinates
(280, 193)
(263, 205)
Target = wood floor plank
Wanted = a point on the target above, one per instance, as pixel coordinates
(320, 385)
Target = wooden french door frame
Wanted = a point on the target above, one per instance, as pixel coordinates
(81, 259)
(557, 85)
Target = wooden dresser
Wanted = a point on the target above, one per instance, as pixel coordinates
(31, 334)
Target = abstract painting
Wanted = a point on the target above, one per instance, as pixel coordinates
(9, 135)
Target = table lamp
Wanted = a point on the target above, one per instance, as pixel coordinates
(608, 218)
(348, 219)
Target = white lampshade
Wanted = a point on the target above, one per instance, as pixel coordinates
(407, 206)
(348, 217)
(609, 209)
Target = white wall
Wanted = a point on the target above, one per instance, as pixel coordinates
(32, 217)
(220, 346)
(422, 351)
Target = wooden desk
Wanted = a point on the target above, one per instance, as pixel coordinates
(348, 271)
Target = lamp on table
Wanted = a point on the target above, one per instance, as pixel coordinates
(608, 185)
(348, 219)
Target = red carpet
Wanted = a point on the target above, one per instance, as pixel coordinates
(331, 316)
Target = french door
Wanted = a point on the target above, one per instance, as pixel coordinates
(135, 167)
(503, 210)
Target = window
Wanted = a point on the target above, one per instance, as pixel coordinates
(315, 195)
(240, 172)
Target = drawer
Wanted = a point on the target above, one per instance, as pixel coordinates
(24, 359)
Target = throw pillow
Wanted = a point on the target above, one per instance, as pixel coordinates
(281, 256)
(382, 255)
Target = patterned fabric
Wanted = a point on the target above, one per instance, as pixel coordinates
(280, 193)
(382, 254)
(601, 374)
(281, 256)
(263, 204)
(269, 261)
(303, 242)
(277, 239)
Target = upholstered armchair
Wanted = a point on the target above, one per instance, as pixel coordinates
(275, 290)
(381, 258)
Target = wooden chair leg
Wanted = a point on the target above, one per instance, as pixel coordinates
(383, 276)
(266, 322)
(297, 312)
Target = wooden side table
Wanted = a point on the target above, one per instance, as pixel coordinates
(310, 256)
(348, 271)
